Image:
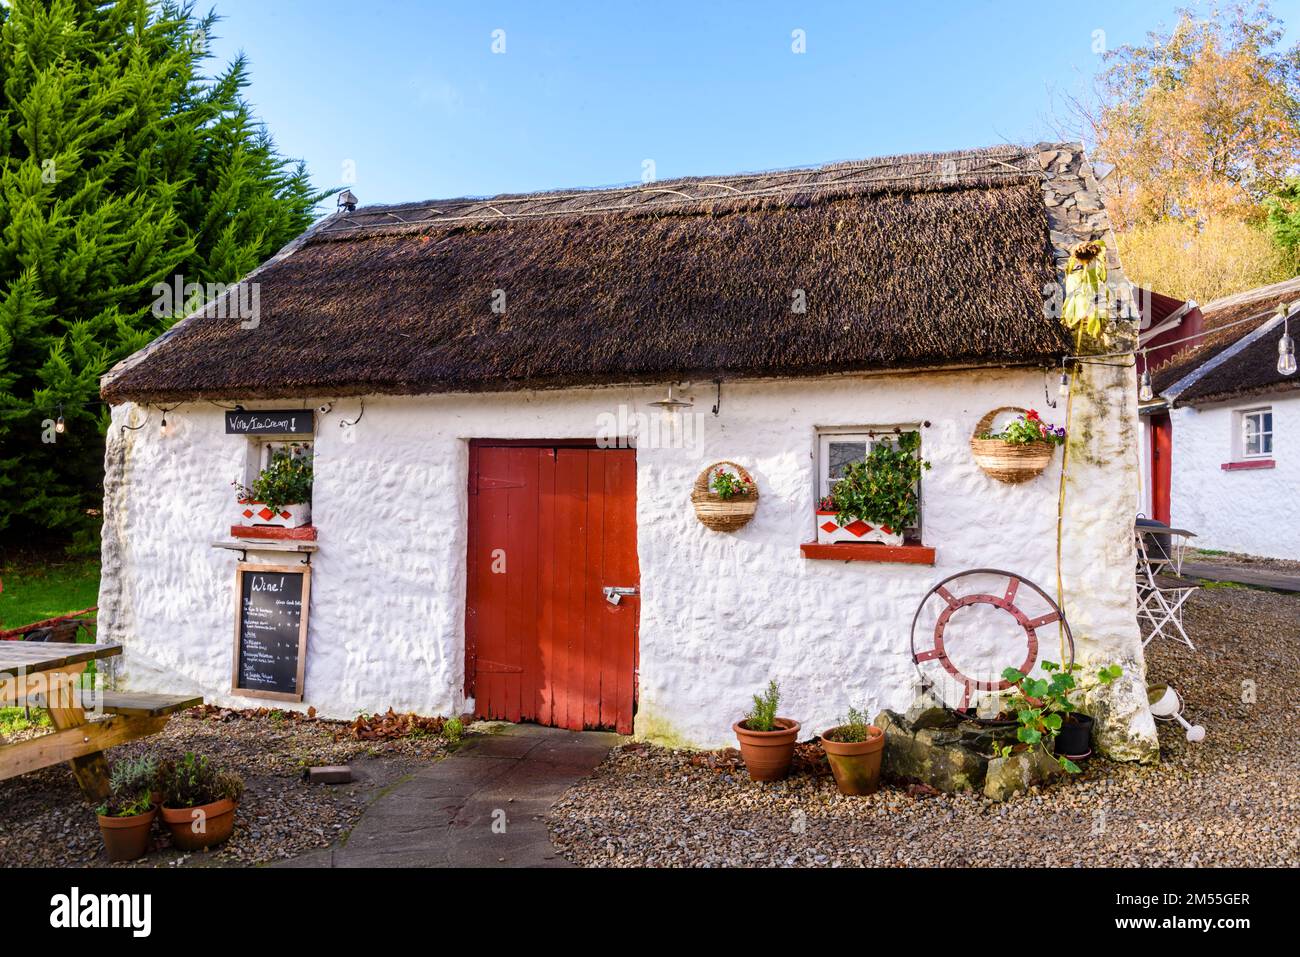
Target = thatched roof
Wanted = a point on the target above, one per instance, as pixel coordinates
(903, 262)
(1238, 355)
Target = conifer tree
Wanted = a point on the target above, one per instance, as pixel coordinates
(122, 165)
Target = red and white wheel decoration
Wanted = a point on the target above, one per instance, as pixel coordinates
(986, 644)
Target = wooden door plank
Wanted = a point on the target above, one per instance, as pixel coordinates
(572, 485)
(546, 586)
(594, 614)
(622, 544)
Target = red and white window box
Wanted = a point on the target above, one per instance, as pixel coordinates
(831, 532)
(254, 514)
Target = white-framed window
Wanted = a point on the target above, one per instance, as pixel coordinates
(1255, 433)
(261, 448)
(840, 447)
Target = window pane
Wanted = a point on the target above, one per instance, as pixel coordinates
(841, 454)
(1266, 443)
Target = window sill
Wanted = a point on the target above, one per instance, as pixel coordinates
(1248, 464)
(869, 552)
(275, 533)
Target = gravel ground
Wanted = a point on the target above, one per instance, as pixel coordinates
(45, 821)
(1232, 800)
(1236, 560)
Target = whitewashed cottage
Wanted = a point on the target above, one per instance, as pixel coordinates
(507, 403)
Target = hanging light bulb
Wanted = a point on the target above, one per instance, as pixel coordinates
(1286, 345)
(1064, 389)
(59, 425)
(163, 428)
(1145, 392)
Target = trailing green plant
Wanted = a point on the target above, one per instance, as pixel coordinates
(1043, 705)
(883, 488)
(853, 727)
(193, 781)
(762, 717)
(286, 480)
(1028, 428)
(727, 485)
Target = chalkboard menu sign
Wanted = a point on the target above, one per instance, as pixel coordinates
(271, 604)
(270, 422)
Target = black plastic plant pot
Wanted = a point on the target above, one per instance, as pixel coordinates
(1074, 740)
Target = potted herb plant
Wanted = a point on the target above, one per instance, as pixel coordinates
(876, 499)
(198, 801)
(280, 496)
(766, 741)
(1019, 450)
(1046, 716)
(126, 817)
(854, 748)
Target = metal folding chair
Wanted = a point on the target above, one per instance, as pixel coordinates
(1162, 591)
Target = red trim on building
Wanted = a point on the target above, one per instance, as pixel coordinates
(303, 533)
(869, 552)
(1248, 465)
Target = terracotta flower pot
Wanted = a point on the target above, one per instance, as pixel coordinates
(194, 832)
(856, 764)
(767, 754)
(126, 838)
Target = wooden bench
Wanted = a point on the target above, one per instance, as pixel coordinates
(40, 673)
(131, 704)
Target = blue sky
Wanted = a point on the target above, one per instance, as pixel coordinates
(411, 94)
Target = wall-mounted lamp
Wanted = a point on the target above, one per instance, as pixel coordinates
(671, 403)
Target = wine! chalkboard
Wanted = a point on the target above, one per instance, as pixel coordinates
(271, 604)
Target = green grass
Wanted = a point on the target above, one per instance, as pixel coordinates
(34, 592)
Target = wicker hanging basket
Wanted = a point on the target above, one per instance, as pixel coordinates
(717, 513)
(1011, 462)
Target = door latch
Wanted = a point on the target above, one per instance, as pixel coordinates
(614, 593)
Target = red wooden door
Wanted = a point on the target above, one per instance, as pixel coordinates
(1162, 451)
(549, 529)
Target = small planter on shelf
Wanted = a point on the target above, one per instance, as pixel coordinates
(280, 496)
(831, 532)
(1020, 450)
(198, 802)
(260, 515)
(766, 741)
(725, 497)
(854, 748)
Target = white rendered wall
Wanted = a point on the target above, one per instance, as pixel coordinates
(720, 613)
(1237, 511)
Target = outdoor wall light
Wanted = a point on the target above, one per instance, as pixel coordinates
(671, 403)
(1286, 345)
(348, 200)
(1063, 390)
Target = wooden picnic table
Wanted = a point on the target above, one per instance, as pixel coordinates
(49, 674)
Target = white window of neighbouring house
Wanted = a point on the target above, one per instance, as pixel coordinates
(1255, 433)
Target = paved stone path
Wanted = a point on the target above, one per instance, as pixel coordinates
(444, 816)
(1259, 577)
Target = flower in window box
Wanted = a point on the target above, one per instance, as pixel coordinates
(280, 496)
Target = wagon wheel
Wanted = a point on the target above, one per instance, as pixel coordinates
(949, 597)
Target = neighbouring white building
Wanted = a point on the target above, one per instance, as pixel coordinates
(481, 386)
(1227, 422)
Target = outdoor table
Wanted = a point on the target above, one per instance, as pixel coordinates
(53, 672)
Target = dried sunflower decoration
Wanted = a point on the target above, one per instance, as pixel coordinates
(1088, 300)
